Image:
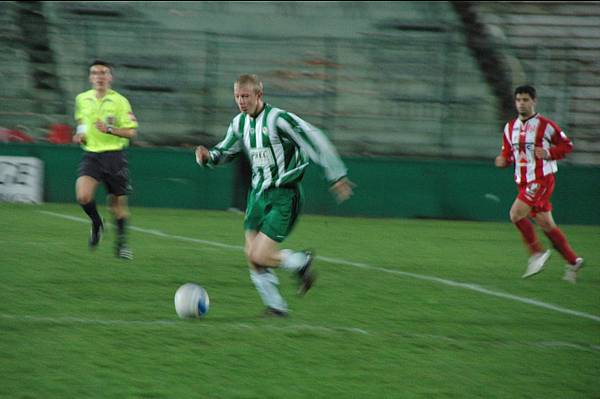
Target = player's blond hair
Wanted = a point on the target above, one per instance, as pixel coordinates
(250, 80)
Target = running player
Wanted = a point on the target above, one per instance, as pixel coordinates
(279, 145)
(534, 143)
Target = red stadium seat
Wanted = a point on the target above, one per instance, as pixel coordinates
(60, 134)
(14, 136)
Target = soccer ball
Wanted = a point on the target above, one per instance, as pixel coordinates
(191, 300)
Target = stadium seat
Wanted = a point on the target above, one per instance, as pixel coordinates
(14, 136)
(60, 134)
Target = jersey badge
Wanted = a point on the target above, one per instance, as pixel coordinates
(532, 190)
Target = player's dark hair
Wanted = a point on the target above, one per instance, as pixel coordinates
(101, 62)
(526, 89)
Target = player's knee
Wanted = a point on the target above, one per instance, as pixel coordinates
(117, 209)
(546, 225)
(248, 252)
(119, 213)
(256, 257)
(515, 216)
(84, 198)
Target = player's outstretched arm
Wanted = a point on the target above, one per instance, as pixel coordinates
(501, 162)
(342, 189)
(202, 155)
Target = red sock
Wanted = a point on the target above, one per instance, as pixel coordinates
(561, 244)
(529, 236)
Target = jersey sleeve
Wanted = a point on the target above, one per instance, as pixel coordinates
(126, 119)
(506, 145)
(227, 149)
(313, 142)
(561, 144)
(78, 111)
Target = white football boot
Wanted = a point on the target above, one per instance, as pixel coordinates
(536, 263)
(571, 271)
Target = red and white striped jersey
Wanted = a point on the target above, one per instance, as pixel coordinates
(520, 139)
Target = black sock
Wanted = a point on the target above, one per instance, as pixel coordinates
(92, 212)
(121, 230)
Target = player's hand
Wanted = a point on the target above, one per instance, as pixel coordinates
(501, 162)
(342, 189)
(541, 153)
(101, 126)
(79, 139)
(202, 155)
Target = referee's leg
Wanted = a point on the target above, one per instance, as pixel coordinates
(85, 190)
(120, 211)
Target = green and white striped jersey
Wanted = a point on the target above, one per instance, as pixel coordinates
(279, 145)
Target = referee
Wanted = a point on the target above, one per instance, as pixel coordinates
(105, 124)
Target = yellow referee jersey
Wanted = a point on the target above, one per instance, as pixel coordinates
(113, 109)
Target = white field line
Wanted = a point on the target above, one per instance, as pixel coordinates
(67, 320)
(162, 323)
(451, 283)
(567, 345)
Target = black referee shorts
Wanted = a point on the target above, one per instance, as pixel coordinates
(109, 167)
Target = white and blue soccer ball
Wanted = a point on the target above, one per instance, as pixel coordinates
(191, 301)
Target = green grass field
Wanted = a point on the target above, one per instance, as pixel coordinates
(402, 309)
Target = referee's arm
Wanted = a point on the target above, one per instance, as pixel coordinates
(79, 137)
(127, 133)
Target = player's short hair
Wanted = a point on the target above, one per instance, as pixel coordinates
(101, 62)
(250, 80)
(526, 89)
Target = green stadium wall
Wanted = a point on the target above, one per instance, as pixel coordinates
(403, 188)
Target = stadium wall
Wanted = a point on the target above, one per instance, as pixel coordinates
(406, 188)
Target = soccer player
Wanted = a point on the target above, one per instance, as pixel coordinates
(279, 145)
(534, 144)
(105, 124)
